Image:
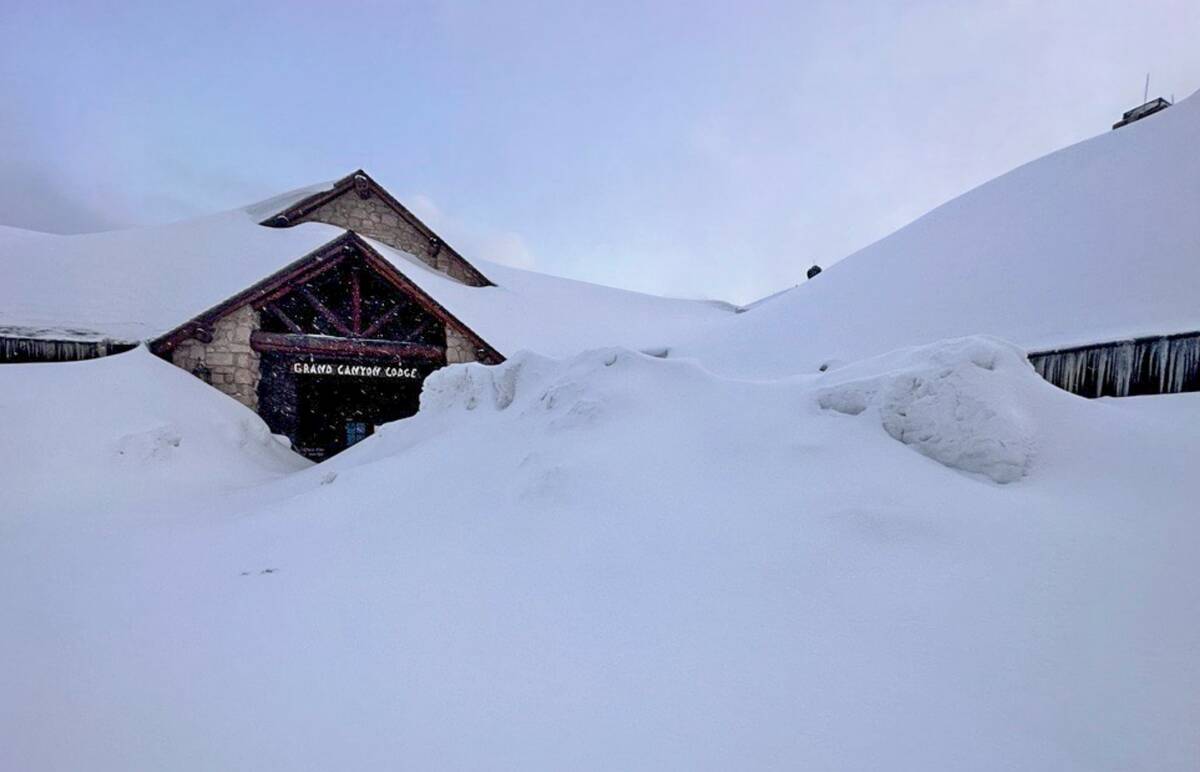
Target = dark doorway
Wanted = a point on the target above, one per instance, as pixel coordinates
(326, 405)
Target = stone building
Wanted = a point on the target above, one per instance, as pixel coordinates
(329, 346)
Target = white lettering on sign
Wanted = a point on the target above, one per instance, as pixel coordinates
(355, 371)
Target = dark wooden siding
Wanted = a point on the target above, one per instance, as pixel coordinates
(1165, 364)
(21, 350)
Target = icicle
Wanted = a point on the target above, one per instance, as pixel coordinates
(1160, 365)
(16, 350)
(1125, 371)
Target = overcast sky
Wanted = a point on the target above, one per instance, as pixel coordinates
(696, 148)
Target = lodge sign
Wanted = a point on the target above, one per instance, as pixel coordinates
(355, 371)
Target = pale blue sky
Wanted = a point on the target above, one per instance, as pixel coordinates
(699, 149)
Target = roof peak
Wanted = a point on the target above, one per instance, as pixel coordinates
(378, 214)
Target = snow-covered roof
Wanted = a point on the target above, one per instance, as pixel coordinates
(284, 201)
(1096, 242)
(556, 316)
(138, 284)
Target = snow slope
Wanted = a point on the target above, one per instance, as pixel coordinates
(1099, 241)
(647, 566)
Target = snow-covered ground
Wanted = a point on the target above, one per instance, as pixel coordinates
(607, 561)
(98, 434)
(922, 557)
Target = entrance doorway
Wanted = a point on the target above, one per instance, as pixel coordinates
(325, 406)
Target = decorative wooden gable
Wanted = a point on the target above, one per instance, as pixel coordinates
(345, 300)
(347, 306)
(356, 202)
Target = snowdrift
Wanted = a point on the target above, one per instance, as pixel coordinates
(106, 434)
(962, 403)
(606, 561)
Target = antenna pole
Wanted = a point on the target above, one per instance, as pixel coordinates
(1146, 93)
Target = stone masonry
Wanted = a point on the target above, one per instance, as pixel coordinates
(373, 218)
(228, 362)
(458, 348)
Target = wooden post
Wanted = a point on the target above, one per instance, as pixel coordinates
(355, 302)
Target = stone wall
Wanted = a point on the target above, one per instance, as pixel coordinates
(373, 218)
(458, 348)
(228, 362)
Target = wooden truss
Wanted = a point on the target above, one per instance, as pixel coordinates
(351, 329)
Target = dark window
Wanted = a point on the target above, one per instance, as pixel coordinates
(356, 431)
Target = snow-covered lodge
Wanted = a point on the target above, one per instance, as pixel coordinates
(323, 310)
(338, 341)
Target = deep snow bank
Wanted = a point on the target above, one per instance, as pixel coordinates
(539, 384)
(611, 561)
(964, 403)
(114, 432)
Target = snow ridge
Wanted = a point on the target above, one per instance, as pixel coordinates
(959, 402)
(962, 403)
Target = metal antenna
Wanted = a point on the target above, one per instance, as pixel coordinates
(1146, 93)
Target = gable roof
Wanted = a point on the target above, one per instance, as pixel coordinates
(326, 256)
(361, 184)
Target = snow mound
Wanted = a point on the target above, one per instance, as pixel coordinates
(472, 386)
(124, 428)
(964, 403)
(960, 402)
(568, 392)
